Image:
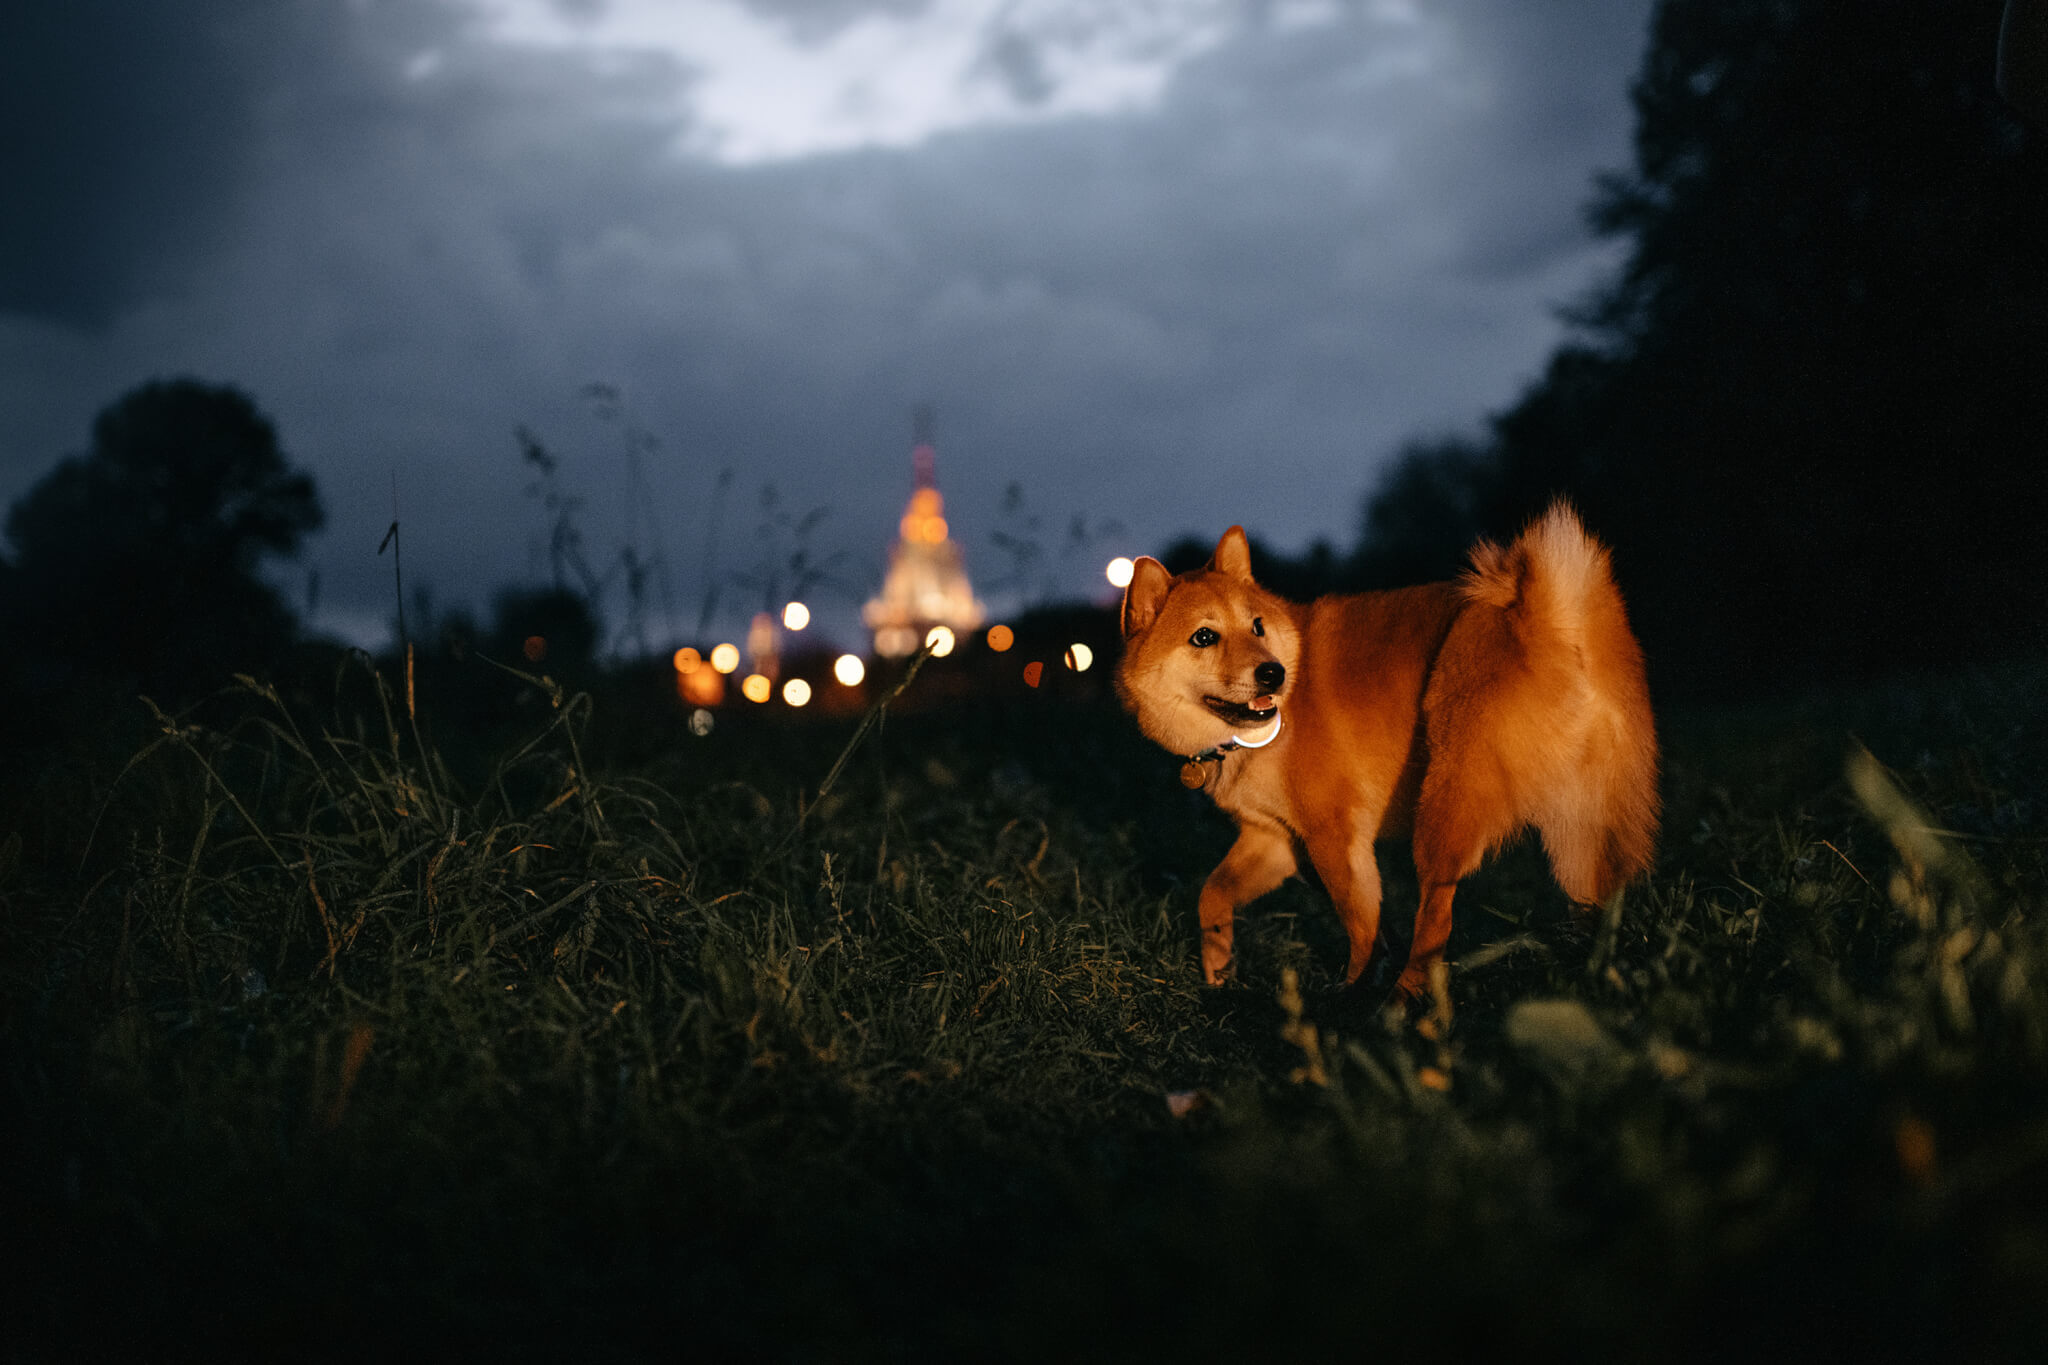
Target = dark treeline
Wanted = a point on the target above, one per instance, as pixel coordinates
(138, 567)
(138, 560)
(1810, 411)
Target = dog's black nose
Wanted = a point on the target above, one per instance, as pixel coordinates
(1269, 675)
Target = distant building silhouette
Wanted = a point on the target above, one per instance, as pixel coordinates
(927, 581)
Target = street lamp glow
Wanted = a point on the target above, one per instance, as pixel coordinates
(1079, 656)
(796, 616)
(849, 669)
(940, 638)
(797, 692)
(687, 660)
(726, 658)
(757, 688)
(1119, 572)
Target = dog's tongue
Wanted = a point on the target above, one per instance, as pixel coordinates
(1263, 703)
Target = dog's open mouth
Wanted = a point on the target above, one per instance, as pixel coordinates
(1238, 714)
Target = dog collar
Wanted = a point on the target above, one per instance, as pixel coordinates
(1240, 742)
(1191, 774)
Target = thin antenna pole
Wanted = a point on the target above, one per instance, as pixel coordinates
(923, 454)
(397, 565)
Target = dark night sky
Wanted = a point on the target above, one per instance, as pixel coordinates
(1169, 265)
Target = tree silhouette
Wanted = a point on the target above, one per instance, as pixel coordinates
(139, 558)
(1808, 409)
(1429, 507)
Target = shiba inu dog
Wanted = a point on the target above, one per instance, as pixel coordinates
(1454, 714)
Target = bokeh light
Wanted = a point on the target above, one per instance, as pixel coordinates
(688, 660)
(535, 649)
(940, 638)
(762, 647)
(1120, 571)
(797, 692)
(849, 669)
(1079, 656)
(1032, 672)
(796, 616)
(726, 658)
(1001, 638)
(757, 688)
(700, 722)
(701, 686)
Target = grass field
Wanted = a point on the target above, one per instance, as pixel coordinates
(602, 1040)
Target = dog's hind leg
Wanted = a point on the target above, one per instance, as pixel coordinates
(1432, 932)
(1456, 825)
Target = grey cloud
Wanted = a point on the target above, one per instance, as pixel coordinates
(1017, 64)
(143, 131)
(1542, 113)
(129, 137)
(815, 21)
(1225, 310)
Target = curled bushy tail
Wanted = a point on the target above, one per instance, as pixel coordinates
(1553, 570)
(1594, 794)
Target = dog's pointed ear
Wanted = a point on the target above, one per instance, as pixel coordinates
(1145, 595)
(1233, 555)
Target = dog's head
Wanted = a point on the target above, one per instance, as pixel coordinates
(1208, 655)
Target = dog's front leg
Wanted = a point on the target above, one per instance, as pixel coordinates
(1261, 859)
(1342, 851)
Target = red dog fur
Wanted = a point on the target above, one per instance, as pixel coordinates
(1456, 714)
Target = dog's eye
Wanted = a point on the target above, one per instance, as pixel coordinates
(1258, 625)
(1203, 638)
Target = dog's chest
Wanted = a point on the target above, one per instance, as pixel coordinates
(1252, 786)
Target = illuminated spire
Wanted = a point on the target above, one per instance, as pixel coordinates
(927, 581)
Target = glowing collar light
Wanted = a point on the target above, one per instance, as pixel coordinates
(1244, 743)
(1192, 773)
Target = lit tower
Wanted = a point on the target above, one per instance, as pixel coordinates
(927, 582)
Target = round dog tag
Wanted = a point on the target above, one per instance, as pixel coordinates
(1191, 775)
